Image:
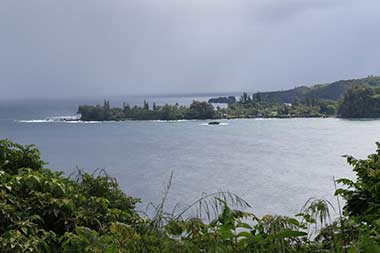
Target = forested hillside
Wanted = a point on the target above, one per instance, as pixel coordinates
(331, 91)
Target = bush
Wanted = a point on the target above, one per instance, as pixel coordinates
(39, 207)
(14, 156)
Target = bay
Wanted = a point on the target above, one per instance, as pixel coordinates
(275, 164)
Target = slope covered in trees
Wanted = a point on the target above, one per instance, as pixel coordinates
(329, 91)
(360, 102)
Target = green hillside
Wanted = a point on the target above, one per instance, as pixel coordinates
(332, 91)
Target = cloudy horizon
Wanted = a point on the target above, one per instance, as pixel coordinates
(99, 48)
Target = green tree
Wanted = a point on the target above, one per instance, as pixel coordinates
(200, 110)
(360, 102)
(146, 105)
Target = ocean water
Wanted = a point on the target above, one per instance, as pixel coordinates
(274, 164)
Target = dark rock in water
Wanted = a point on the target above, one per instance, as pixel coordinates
(69, 119)
(214, 123)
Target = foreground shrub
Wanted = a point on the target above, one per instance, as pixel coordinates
(39, 206)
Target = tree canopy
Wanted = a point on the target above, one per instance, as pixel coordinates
(360, 102)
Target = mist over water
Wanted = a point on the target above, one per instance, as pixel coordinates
(275, 164)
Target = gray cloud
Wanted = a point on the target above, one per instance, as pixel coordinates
(97, 47)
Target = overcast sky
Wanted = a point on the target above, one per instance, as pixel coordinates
(122, 47)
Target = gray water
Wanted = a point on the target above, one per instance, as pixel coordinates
(275, 164)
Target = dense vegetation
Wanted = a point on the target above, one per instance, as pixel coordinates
(197, 110)
(43, 211)
(253, 106)
(361, 102)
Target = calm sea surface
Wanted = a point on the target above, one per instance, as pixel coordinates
(275, 164)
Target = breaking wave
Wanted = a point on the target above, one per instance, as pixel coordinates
(60, 119)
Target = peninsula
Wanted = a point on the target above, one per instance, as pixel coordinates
(356, 98)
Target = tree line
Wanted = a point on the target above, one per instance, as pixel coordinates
(246, 107)
(197, 110)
